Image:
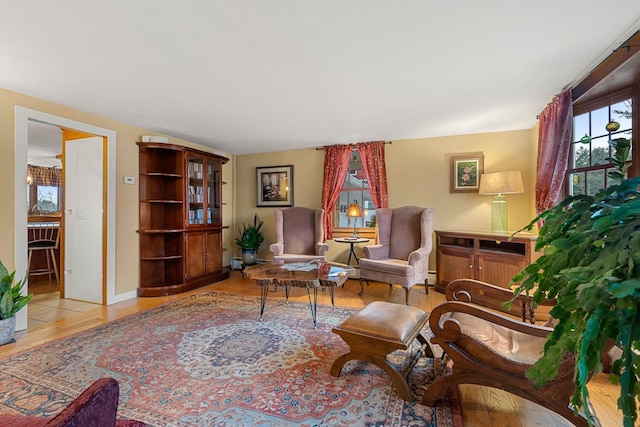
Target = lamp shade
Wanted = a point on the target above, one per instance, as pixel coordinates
(508, 182)
(354, 210)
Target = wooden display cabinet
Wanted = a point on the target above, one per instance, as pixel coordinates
(486, 256)
(180, 219)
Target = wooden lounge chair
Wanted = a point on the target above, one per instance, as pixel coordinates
(490, 347)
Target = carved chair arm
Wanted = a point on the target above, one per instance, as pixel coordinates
(493, 297)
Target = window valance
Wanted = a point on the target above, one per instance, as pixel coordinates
(45, 176)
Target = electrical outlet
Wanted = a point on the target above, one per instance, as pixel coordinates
(129, 180)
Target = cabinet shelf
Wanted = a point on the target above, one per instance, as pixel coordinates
(163, 258)
(163, 175)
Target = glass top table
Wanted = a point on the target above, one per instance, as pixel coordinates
(310, 275)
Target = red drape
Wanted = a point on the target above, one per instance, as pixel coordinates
(336, 167)
(373, 164)
(554, 143)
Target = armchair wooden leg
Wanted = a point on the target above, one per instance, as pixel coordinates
(437, 388)
(426, 286)
(406, 295)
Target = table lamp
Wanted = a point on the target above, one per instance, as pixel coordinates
(498, 184)
(353, 211)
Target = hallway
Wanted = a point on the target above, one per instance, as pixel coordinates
(46, 305)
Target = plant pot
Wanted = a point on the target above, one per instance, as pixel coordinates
(249, 256)
(7, 329)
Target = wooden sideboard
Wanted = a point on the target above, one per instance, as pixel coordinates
(482, 255)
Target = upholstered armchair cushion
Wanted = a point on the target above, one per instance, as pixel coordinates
(299, 235)
(402, 254)
(94, 407)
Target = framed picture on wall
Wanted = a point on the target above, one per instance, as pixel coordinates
(465, 173)
(275, 185)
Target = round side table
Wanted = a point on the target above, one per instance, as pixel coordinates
(351, 241)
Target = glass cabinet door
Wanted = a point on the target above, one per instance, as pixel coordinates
(195, 170)
(204, 190)
(213, 192)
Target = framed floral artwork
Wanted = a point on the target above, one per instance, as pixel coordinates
(465, 173)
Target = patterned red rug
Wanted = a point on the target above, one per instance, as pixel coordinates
(206, 360)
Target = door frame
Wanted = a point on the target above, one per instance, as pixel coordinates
(22, 116)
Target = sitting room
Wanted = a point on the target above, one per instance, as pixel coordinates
(381, 153)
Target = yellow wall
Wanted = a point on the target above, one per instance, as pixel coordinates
(418, 173)
(126, 195)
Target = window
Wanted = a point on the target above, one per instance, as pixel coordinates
(44, 186)
(588, 164)
(43, 198)
(355, 189)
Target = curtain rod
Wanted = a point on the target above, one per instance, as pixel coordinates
(322, 148)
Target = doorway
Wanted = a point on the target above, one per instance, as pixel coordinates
(22, 118)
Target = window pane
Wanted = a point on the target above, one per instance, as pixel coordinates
(48, 198)
(577, 183)
(580, 126)
(621, 113)
(599, 150)
(596, 181)
(580, 155)
(599, 120)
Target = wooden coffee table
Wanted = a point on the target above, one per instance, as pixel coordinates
(310, 276)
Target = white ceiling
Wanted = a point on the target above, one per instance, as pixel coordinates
(255, 76)
(45, 143)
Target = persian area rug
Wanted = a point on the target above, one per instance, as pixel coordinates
(206, 360)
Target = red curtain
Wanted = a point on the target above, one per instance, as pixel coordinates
(554, 143)
(336, 167)
(373, 164)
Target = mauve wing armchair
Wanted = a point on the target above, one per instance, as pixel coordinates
(94, 407)
(299, 235)
(402, 255)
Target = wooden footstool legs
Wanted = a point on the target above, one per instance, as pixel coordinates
(379, 329)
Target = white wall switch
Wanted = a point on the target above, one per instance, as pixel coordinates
(129, 180)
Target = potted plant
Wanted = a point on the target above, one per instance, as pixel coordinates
(250, 240)
(591, 266)
(11, 301)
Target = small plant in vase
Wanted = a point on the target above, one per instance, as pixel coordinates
(11, 301)
(250, 240)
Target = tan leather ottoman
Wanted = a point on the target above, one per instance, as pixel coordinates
(379, 329)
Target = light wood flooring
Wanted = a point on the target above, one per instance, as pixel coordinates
(46, 305)
(51, 318)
